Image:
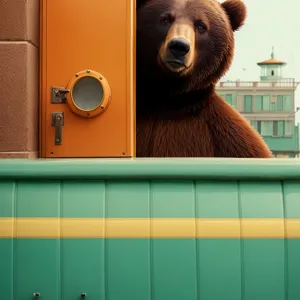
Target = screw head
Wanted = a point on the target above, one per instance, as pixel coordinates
(36, 295)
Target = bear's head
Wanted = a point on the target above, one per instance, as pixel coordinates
(186, 43)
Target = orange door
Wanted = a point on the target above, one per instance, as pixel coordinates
(87, 78)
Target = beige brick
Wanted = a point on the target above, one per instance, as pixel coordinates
(18, 97)
(29, 155)
(19, 20)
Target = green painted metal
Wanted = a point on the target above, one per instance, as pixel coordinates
(35, 265)
(145, 169)
(144, 269)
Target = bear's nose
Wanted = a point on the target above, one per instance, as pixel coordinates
(179, 47)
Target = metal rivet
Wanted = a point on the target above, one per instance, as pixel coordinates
(100, 78)
(102, 106)
(76, 75)
(36, 295)
(88, 71)
(88, 114)
(123, 153)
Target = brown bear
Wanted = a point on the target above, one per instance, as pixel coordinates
(183, 48)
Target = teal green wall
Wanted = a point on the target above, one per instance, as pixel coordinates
(146, 269)
(287, 143)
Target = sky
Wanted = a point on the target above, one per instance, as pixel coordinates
(270, 23)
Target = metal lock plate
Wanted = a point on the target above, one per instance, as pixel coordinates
(58, 95)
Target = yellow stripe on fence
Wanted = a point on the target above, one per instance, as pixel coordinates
(148, 228)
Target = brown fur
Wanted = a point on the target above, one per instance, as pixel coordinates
(179, 113)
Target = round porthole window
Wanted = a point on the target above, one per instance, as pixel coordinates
(89, 94)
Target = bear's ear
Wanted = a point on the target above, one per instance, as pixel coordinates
(236, 11)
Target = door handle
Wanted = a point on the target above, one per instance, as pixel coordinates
(58, 122)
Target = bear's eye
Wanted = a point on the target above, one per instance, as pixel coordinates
(200, 25)
(166, 19)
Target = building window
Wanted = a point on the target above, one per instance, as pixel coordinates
(273, 103)
(288, 128)
(262, 103)
(273, 128)
(278, 128)
(266, 103)
(279, 104)
(258, 103)
(284, 103)
(248, 103)
(266, 128)
(256, 125)
(272, 73)
(230, 100)
(287, 103)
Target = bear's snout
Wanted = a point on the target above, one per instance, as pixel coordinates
(177, 52)
(179, 47)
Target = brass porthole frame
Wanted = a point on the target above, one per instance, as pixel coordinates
(103, 105)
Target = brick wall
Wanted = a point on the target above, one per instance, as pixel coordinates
(19, 78)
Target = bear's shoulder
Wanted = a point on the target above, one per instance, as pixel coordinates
(206, 128)
(232, 133)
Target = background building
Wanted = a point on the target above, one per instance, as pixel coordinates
(269, 105)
